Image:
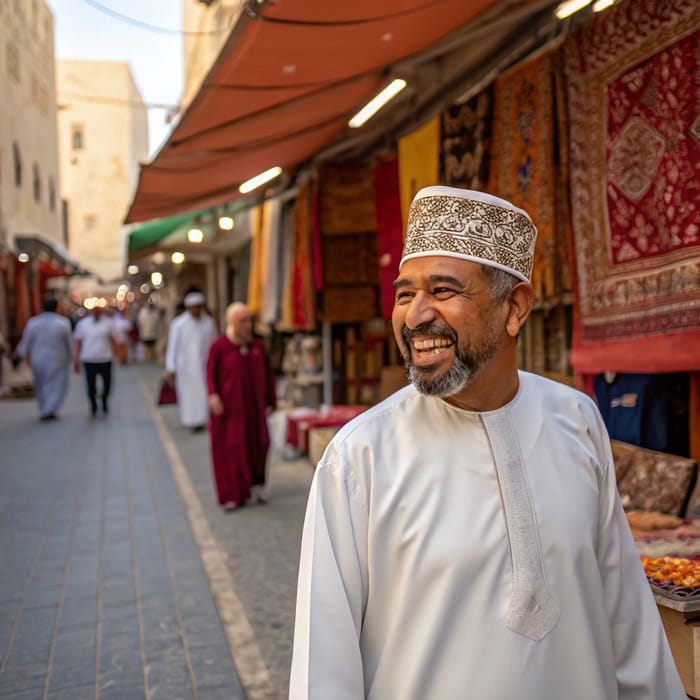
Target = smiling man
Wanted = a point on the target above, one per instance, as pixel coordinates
(464, 538)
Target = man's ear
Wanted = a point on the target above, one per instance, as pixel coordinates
(520, 301)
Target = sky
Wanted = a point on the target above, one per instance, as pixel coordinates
(84, 32)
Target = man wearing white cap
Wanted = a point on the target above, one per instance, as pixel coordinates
(464, 538)
(189, 338)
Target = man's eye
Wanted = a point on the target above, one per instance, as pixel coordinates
(403, 297)
(441, 293)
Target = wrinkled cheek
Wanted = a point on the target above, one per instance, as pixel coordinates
(397, 324)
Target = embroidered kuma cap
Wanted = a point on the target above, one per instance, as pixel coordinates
(194, 299)
(470, 225)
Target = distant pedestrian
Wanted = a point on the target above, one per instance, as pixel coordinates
(47, 347)
(5, 357)
(241, 387)
(148, 321)
(123, 326)
(95, 339)
(189, 338)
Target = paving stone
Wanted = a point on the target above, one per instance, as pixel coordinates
(125, 691)
(86, 692)
(17, 679)
(69, 657)
(119, 659)
(25, 695)
(26, 657)
(72, 676)
(219, 692)
(116, 677)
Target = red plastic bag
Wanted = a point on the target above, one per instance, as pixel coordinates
(167, 394)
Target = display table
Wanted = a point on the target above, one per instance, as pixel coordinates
(679, 607)
(301, 422)
(683, 632)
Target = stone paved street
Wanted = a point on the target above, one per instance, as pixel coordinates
(119, 575)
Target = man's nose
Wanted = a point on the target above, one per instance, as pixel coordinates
(420, 311)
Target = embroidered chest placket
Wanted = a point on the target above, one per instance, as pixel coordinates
(531, 611)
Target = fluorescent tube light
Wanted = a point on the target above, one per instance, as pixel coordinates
(377, 102)
(255, 182)
(601, 5)
(568, 8)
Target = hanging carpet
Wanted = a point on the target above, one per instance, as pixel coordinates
(634, 100)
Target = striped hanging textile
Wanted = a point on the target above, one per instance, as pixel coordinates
(302, 287)
(270, 259)
(286, 322)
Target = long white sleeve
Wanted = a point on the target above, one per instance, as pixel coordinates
(645, 667)
(327, 663)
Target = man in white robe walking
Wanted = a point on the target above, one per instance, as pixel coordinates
(464, 538)
(189, 338)
(47, 346)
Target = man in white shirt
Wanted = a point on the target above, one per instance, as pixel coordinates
(149, 325)
(95, 337)
(189, 338)
(123, 327)
(464, 538)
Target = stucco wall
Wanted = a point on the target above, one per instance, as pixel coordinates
(101, 100)
(28, 119)
(207, 29)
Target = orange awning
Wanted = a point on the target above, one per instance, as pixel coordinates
(291, 75)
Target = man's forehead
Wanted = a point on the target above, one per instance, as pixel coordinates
(241, 313)
(435, 268)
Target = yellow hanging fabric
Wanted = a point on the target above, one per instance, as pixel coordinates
(419, 163)
(254, 277)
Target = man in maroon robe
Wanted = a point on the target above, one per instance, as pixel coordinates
(241, 387)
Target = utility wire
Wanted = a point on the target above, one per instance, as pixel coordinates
(68, 96)
(144, 25)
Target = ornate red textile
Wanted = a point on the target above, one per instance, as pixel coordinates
(635, 191)
(302, 283)
(387, 201)
(316, 247)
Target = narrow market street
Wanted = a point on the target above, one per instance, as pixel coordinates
(120, 577)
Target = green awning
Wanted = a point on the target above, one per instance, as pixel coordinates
(155, 231)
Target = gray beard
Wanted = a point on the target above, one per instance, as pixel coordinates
(468, 362)
(458, 376)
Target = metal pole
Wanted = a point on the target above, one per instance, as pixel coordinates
(327, 345)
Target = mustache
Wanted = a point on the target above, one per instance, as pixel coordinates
(430, 330)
